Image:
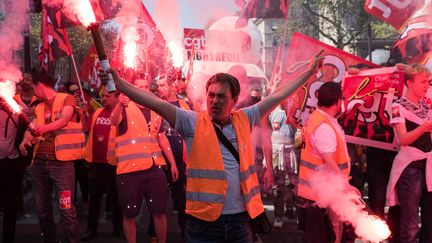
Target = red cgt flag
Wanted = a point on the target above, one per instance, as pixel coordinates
(336, 62)
(54, 42)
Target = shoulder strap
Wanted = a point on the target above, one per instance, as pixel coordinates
(227, 143)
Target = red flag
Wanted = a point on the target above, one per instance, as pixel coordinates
(150, 42)
(395, 13)
(54, 42)
(89, 68)
(415, 39)
(262, 9)
(335, 63)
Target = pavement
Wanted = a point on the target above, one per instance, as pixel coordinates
(27, 229)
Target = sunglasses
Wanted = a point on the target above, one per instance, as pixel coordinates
(76, 91)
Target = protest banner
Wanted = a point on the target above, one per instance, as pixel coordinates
(217, 46)
(368, 98)
(336, 62)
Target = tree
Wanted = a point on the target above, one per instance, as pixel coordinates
(338, 21)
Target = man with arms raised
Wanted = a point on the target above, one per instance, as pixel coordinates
(222, 186)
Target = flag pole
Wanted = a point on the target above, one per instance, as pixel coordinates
(78, 78)
(280, 58)
(283, 44)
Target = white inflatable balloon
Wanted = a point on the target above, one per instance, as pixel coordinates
(251, 44)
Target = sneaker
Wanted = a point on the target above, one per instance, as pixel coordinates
(278, 223)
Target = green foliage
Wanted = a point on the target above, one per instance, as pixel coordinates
(381, 30)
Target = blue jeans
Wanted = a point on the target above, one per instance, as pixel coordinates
(412, 193)
(61, 174)
(230, 228)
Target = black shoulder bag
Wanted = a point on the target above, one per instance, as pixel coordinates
(260, 224)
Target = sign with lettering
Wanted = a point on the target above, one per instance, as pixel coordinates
(336, 62)
(216, 46)
(368, 98)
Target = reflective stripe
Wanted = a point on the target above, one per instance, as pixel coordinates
(304, 182)
(137, 156)
(308, 165)
(254, 191)
(69, 146)
(205, 197)
(207, 174)
(134, 141)
(245, 174)
(314, 167)
(343, 166)
(69, 131)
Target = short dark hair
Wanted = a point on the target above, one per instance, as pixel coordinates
(45, 78)
(226, 79)
(329, 94)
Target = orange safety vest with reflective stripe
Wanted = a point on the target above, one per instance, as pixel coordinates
(309, 162)
(138, 148)
(111, 142)
(69, 141)
(206, 186)
(18, 98)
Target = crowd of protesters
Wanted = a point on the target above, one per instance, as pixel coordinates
(145, 143)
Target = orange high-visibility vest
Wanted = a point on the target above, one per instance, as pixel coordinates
(111, 142)
(207, 184)
(309, 162)
(69, 141)
(18, 98)
(138, 148)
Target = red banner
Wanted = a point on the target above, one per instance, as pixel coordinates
(394, 12)
(336, 63)
(368, 98)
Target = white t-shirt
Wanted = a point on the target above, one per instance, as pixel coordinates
(323, 138)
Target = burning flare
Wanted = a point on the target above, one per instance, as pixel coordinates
(176, 53)
(130, 39)
(344, 200)
(84, 12)
(7, 92)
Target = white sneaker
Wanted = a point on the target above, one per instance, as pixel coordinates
(278, 223)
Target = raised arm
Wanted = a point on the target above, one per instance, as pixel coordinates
(270, 102)
(144, 98)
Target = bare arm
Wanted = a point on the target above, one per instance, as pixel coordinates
(329, 161)
(270, 102)
(144, 98)
(166, 149)
(407, 138)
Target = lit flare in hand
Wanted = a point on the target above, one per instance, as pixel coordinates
(176, 54)
(7, 92)
(130, 39)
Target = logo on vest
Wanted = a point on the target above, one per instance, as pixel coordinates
(65, 199)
